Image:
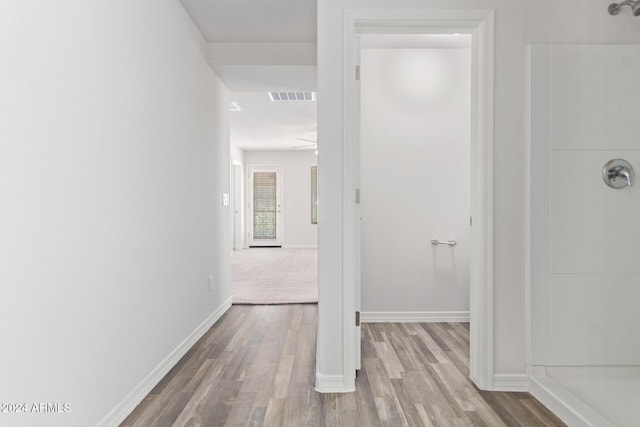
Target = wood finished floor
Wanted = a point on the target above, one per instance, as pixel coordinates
(256, 367)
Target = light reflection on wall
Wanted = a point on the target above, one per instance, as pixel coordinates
(419, 76)
(420, 79)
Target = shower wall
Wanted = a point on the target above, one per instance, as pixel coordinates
(584, 264)
(585, 260)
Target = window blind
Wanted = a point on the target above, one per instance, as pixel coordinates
(264, 205)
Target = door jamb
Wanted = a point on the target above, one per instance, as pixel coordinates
(479, 23)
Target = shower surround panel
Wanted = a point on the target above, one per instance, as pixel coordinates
(585, 263)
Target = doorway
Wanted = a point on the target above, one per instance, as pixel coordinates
(415, 152)
(479, 24)
(273, 136)
(280, 264)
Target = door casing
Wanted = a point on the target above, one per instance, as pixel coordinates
(480, 24)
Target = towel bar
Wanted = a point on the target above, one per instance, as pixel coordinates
(444, 242)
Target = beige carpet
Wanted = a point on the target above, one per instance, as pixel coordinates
(275, 276)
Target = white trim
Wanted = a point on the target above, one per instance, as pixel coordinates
(538, 125)
(300, 246)
(481, 275)
(414, 316)
(564, 404)
(122, 410)
(510, 382)
(332, 384)
(527, 211)
(479, 23)
(350, 220)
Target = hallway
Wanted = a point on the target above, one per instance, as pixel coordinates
(256, 366)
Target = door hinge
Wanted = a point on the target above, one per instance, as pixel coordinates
(357, 318)
(357, 73)
(470, 221)
(357, 196)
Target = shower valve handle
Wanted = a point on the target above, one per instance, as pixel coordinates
(615, 169)
(622, 172)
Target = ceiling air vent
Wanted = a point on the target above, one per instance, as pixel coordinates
(292, 96)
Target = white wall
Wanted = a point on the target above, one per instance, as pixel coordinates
(415, 172)
(552, 21)
(517, 23)
(296, 193)
(113, 159)
(262, 53)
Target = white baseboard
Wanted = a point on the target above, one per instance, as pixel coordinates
(332, 384)
(564, 404)
(510, 382)
(300, 246)
(133, 399)
(414, 316)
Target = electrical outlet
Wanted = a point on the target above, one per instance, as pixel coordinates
(212, 284)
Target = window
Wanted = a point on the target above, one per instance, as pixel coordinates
(314, 194)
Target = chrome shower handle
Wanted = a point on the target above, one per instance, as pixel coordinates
(614, 8)
(618, 168)
(622, 172)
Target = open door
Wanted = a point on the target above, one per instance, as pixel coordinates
(358, 228)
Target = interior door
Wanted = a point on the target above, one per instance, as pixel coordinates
(265, 206)
(358, 228)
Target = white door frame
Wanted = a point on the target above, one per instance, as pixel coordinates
(279, 216)
(480, 24)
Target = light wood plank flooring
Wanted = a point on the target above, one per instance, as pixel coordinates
(256, 367)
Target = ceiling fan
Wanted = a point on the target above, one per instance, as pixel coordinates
(311, 142)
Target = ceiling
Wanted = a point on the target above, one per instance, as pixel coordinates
(238, 21)
(265, 124)
(262, 123)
